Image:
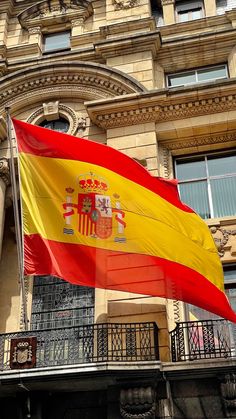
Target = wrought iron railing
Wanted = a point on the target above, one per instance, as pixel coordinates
(203, 339)
(84, 344)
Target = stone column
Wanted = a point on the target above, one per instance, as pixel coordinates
(4, 182)
(168, 7)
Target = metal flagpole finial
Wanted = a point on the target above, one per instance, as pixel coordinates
(19, 234)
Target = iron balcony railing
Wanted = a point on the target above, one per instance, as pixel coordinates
(84, 344)
(204, 339)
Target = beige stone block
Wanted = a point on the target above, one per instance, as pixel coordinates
(122, 143)
(126, 68)
(142, 152)
(142, 65)
(152, 164)
(168, 13)
(210, 7)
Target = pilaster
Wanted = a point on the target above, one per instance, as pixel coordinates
(168, 7)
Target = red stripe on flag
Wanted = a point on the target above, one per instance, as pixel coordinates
(47, 143)
(134, 273)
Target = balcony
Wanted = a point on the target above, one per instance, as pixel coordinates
(85, 344)
(196, 340)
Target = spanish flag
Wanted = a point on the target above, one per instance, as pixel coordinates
(95, 217)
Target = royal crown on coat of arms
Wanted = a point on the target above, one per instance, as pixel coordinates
(91, 183)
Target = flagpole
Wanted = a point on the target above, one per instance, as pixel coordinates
(19, 235)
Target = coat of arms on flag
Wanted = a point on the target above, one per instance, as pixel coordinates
(96, 215)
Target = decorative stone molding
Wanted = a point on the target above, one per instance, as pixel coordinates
(57, 110)
(77, 22)
(125, 4)
(87, 80)
(162, 107)
(225, 240)
(165, 161)
(81, 123)
(49, 12)
(36, 30)
(4, 171)
(51, 110)
(193, 142)
(138, 403)
(165, 2)
(228, 392)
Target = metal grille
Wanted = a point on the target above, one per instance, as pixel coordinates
(86, 344)
(57, 303)
(200, 340)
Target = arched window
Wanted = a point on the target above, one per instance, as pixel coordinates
(60, 125)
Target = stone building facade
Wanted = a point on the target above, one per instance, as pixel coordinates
(155, 79)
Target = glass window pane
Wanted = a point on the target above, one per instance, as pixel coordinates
(221, 165)
(224, 196)
(57, 41)
(196, 14)
(183, 16)
(182, 79)
(230, 274)
(212, 73)
(194, 194)
(190, 169)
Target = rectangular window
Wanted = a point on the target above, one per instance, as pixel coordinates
(189, 10)
(200, 75)
(207, 183)
(56, 41)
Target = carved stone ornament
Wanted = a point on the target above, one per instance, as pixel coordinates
(4, 171)
(165, 2)
(23, 353)
(138, 403)
(225, 239)
(44, 12)
(125, 4)
(228, 392)
(53, 110)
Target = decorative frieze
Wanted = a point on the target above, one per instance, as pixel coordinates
(125, 4)
(166, 112)
(138, 403)
(192, 142)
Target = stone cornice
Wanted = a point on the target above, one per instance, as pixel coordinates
(142, 42)
(164, 105)
(204, 48)
(52, 12)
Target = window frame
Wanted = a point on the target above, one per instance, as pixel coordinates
(188, 8)
(195, 71)
(51, 34)
(208, 178)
